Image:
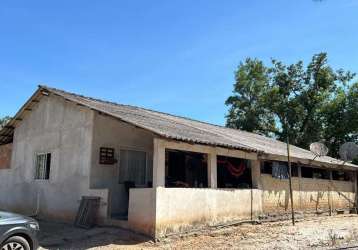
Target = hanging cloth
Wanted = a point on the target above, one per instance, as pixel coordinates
(279, 170)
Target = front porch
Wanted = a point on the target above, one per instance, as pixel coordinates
(192, 188)
(196, 186)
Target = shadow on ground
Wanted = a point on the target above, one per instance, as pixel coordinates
(65, 236)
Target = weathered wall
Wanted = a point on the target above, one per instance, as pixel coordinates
(65, 130)
(142, 210)
(5, 155)
(174, 210)
(308, 194)
(109, 132)
(180, 209)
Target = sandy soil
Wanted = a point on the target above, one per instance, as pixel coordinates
(315, 233)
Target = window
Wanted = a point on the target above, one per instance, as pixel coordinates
(294, 169)
(186, 169)
(278, 169)
(315, 173)
(233, 172)
(306, 172)
(133, 167)
(42, 166)
(266, 167)
(321, 174)
(342, 175)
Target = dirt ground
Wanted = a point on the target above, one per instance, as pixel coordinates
(336, 232)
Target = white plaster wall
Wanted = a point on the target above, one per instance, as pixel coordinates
(110, 132)
(65, 130)
(308, 194)
(142, 210)
(182, 209)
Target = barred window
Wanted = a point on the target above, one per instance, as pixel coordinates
(42, 166)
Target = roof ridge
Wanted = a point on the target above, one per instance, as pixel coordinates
(164, 113)
(180, 117)
(147, 109)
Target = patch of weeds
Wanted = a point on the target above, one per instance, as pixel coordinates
(333, 237)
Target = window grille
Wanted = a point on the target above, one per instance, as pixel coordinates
(43, 165)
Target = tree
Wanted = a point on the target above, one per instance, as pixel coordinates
(340, 118)
(355, 161)
(246, 110)
(305, 103)
(4, 121)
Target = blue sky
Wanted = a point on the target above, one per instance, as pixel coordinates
(172, 56)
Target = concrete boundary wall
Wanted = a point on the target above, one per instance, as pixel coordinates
(162, 211)
(182, 209)
(308, 194)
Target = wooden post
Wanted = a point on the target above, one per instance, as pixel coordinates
(289, 178)
(356, 191)
(330, 193)
(300, 186)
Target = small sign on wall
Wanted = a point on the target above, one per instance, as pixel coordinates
(106, 156)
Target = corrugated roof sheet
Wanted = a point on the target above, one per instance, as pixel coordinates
(189, 130)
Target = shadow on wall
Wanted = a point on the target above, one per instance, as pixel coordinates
(317, 200)
(22, 199)
(278, 201)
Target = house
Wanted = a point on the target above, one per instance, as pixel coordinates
(155, 173)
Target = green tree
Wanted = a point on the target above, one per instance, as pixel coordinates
(304, 102)
(355, 161)
(4, 121)
(340, 118)
(246, 110)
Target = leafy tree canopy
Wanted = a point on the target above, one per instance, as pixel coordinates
(3, 121)
(309, 103)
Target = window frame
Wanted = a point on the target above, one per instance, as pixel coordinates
(146, 164)
(37, 154)
(266, 168)
(345, 173)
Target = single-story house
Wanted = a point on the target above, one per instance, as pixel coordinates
(155, 173)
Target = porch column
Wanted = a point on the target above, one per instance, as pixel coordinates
(212, 170)
(256, 174)
(158, 163)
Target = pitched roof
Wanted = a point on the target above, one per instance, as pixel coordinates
(178, 128)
